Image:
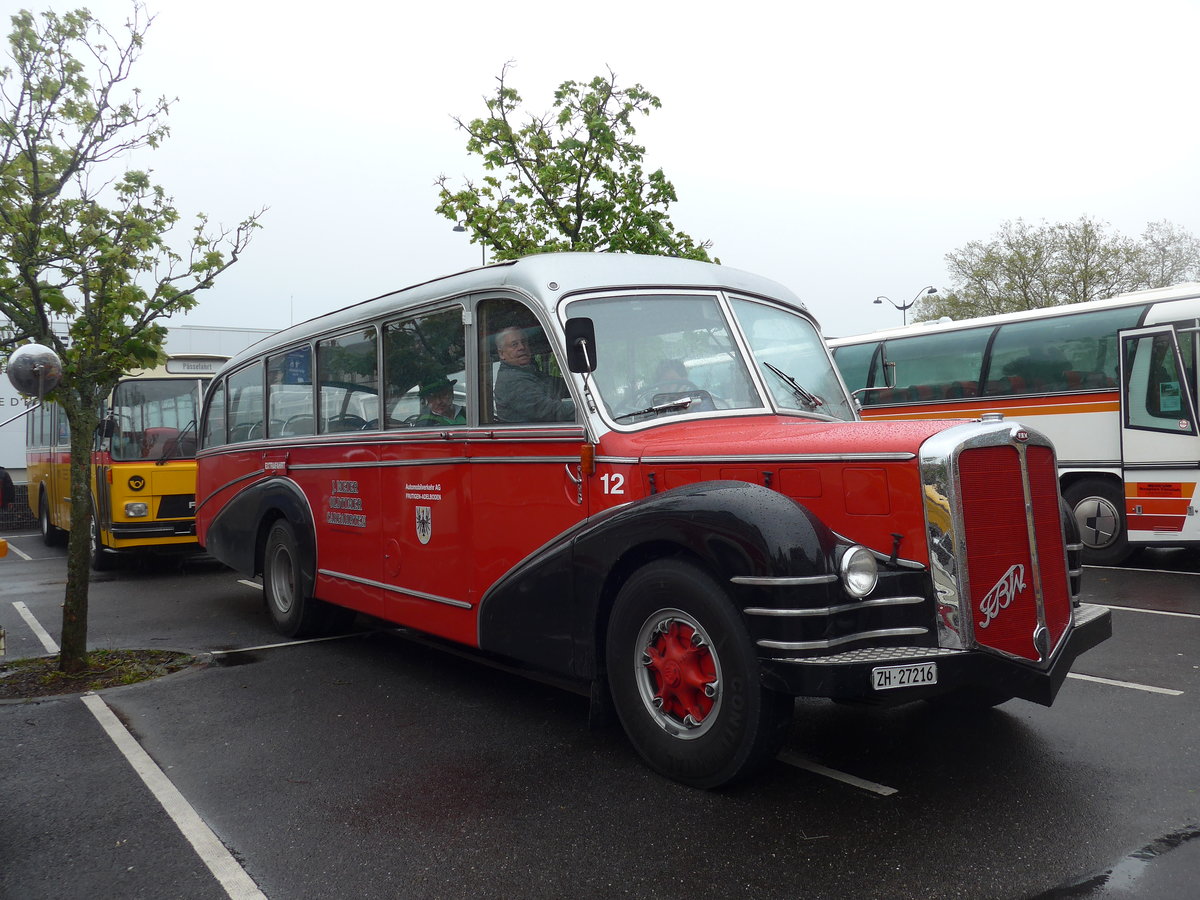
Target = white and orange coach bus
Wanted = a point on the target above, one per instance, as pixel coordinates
(642, 477)
(1111, 382)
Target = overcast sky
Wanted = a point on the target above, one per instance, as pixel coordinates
(840, 148)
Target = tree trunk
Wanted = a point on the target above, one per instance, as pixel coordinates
(72, 657)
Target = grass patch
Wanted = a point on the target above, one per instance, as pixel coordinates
(27, 679)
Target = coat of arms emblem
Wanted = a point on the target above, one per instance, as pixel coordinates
(424, 524)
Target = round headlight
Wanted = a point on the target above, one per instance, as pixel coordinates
(859, 572)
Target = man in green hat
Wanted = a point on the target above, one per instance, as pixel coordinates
(438, 397)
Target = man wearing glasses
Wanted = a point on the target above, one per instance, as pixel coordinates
(523, 392)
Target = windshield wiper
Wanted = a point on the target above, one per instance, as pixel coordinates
(810, 399)
(678, 403)
(171, 447)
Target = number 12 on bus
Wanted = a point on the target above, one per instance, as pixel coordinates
(1111, 382)
(643, 478)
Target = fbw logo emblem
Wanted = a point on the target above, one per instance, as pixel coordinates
(1011, 583)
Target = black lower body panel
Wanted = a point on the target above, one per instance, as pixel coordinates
(848, 676)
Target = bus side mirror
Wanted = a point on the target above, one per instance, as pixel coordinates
(107, 428)
(581, 345)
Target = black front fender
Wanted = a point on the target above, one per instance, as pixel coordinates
(550, 610)
(237, 532)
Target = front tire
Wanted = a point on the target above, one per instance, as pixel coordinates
(52, 536)
(100, 560)
(685, 680)
(1099, 508)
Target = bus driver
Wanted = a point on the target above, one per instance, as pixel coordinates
(523, 392)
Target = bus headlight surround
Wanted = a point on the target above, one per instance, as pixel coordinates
(137, 510)
(858, 571)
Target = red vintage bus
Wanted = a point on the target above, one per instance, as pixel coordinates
(642, 476)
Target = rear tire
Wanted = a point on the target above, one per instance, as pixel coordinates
(1099, 508)
(685, 679)
(294, 612)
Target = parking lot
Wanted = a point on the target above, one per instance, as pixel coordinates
(376, 766)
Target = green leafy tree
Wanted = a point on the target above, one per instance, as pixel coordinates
(84, 251)
(1034, 266)
(569, 179)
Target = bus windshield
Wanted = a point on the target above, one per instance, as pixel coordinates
(155, 418)
(667, 355)
(793, 360)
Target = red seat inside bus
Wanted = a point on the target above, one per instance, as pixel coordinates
(156, 441)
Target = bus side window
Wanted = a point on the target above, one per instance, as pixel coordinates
(214, 424)
(290, 393)
(348, 374)
(246, 404)
(521, 371)
(421, 355)
(1155, 395)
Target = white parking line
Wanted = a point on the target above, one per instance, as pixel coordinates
(248, 583)
(238, 885)
(1127, 684)
(13, 548)
(36, 627)
(795, 759)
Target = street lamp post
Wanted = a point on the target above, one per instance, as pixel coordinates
(905, 307)
(458, 226)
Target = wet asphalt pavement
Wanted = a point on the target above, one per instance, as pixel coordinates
(376, 766)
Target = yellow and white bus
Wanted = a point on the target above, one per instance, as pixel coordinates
(143, 463)
(1111, 382)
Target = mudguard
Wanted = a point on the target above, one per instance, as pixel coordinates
(552, 609)
(237, 533)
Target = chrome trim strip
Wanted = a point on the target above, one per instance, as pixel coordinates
(885, 557)
(573, 432)
(442, 461)
(846, 639)
(618, 460)
(1075, 573)
(369, 464)
(524, 459)
(1041, 634)
(1074, 548)
(783, 580)
(832, 610)
(460, 604)
(380, 463)
(758, 458)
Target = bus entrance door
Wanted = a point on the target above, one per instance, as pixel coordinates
(1159, 436)
(427, 556)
